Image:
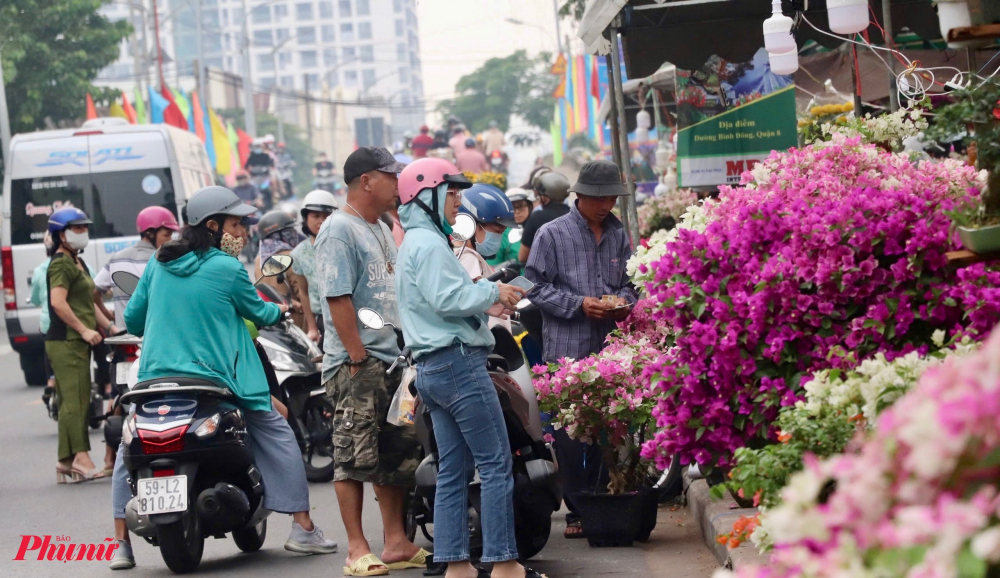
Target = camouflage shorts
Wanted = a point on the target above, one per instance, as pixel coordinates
(366, 447)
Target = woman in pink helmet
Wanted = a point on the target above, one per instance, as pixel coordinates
(444, 319)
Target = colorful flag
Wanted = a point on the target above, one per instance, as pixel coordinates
(243, 146)
(234, 156)
(140, 107)
(559, 66)
(198, 118)
(182, 103)
(560, 91)
(157, 104)
(172, 114)
(91, 109)
(221, 144)
(569, 120)
(129, 111)
(116, 110)
(557, 144)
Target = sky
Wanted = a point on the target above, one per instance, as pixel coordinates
(458, 36)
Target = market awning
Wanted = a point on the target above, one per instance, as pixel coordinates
(688, 32)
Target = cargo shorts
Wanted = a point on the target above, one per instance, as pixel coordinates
(366, 448)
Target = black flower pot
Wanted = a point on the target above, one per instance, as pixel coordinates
(611, 520)
(650, 504)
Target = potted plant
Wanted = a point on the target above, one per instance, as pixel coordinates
(975, 112)
(604, 399)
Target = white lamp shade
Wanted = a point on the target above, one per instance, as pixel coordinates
(642, 119)
(786, 63)
(641, 134)
(847, 16)
(778, 37)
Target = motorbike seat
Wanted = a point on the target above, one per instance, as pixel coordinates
(496, 362)
(163, 385)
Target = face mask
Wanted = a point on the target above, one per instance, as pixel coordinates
(231, 245)
(489, 246)
(77, 241)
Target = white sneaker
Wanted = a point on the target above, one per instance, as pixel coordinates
(309, 542)
(123, 558)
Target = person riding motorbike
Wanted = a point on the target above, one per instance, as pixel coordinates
(284, 164)
(244, 190)
(278, 237)
(189, 307)
(493, 214)
(259, 165)
(443, 314)
(316, 207)
(521, 203)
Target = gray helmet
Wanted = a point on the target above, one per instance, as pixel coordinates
(215, 200)
(273, 222)
(552, 185)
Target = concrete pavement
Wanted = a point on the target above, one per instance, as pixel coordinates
(31, 503)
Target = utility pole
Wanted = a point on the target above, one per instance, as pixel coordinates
(887, 26)
(137, 53)
(555, 6)
(249, 114)
(309, 124)
(159, 50)
(4, 122)
(200, 63)
(277, 100)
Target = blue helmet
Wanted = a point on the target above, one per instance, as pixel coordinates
(59, 220)
(488, 204)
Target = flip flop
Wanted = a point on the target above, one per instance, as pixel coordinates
(419, 560)
(363, 567)
(576, 525)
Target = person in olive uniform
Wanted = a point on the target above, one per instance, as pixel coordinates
(73, 319)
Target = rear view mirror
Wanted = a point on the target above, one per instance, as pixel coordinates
(371, 318)
(464, 228)
(125, 281)
(276, 265)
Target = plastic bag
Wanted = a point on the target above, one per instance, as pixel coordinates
(404, 405)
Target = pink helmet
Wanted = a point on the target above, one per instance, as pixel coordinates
(154, 218)
(427, 173)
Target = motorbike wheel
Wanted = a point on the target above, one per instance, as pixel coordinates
(95, 413)
(670, 484)
(318, 459)
(410, 514)
(251, 539)
(531, 541)
(182, 543)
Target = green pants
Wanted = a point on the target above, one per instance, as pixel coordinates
(71, 363)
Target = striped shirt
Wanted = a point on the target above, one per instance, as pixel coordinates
(566, 265)
(132, 260)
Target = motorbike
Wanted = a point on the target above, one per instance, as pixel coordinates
(190, 468)
(498, 162)
(325, 180)
(537, 489)
(260, 177)
(284, 174)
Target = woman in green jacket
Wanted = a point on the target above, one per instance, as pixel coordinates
(189, 307)
(73, 319)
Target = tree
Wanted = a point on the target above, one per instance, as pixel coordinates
(301, 150)
(574, 8)
(502, 87)
(52, 50)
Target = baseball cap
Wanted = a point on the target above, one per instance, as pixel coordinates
(370, 159)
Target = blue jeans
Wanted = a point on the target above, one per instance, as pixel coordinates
(470, 430)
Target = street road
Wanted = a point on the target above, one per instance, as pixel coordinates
(31, 503)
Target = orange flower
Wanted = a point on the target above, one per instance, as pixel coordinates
(784, 437)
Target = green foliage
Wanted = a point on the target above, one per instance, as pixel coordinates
(581, 140)
(574, 8)
(295, 142)
(51, 50)
(502, 87)
(766, 470)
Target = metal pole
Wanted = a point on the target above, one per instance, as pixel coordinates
(249, 114)
(137, 55)
(4, 122)
(856, 84)
(555, 6)
(887, 26)
(277, 100)
(616, 150)
(309, 122)
(633, 217)
(145, 54)
(200, 63)
(159, 51)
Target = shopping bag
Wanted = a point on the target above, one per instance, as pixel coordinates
(404, 404)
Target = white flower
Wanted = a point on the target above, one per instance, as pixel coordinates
(938, 337)
(986, 545)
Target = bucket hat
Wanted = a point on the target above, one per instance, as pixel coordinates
(600, 179)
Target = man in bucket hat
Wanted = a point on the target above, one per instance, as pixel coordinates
(577, 264)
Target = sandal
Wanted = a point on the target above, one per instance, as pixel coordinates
(419, 560)
(62, 472)
(82, 476)
(367, 565)
(574, 530)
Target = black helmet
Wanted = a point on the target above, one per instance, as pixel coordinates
(273, 222)
(552, 185)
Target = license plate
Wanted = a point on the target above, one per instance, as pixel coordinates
(121, 372)
(162, 495)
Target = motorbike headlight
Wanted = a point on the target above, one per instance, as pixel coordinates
(208, 427)
(277, 355)
(128, 430)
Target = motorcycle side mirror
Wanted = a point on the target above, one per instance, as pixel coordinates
(125, 281)
(515, 234)
(371, 318)
(276, 265)
(464, 228)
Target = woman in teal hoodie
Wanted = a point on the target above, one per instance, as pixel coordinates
(189, 308)
(444, 318)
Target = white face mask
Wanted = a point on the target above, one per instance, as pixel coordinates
(77, 241)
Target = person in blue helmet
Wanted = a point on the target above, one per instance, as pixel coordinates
(494, 214)
(73, 323)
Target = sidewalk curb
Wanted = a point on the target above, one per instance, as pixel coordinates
(715, 517)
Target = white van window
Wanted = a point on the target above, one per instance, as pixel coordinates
(112, 200)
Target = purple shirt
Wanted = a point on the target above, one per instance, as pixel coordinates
(566, 265)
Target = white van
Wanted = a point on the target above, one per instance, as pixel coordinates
(111, 170)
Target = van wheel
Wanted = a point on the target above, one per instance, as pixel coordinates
(33, 367)
(251, 539)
